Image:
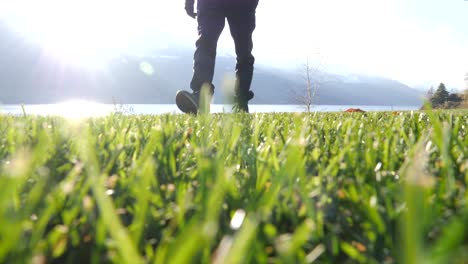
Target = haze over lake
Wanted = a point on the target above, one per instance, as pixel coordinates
(90, 109)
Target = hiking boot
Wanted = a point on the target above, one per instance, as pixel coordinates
(188, 102)
(241, 103)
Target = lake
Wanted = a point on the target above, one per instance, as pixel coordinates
(89, 109)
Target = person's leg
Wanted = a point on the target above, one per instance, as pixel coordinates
(242, 24)
(211, 21)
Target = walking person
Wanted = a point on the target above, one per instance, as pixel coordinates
(211, 16)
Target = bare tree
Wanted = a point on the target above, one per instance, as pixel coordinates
(430, 93)
(313, 80)
(466, 81)
(465, 94)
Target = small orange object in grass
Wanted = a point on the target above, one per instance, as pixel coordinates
(359, 246)
(355, 110)
(341, 194)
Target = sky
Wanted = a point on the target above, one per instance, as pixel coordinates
(417, 42)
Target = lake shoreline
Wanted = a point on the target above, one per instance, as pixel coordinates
(89, 109)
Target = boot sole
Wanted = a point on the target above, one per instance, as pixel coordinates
(185, 103)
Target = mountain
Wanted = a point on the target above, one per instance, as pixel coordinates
(28, 76)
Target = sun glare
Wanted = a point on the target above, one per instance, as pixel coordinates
(81, 109)
(84, 33)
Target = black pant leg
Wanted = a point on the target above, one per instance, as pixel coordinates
(242, 22)
(211, 21)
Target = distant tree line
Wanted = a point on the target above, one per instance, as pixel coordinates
(442, 98)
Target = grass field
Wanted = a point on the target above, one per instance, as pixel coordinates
(264, 188)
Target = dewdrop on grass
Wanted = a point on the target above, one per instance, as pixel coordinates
(237, 219)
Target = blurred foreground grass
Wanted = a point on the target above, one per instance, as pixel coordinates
(264, 188)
